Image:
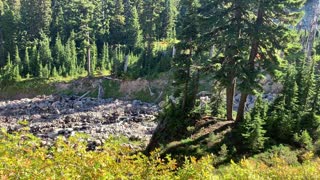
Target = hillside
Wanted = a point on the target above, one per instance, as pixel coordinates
(159, 89)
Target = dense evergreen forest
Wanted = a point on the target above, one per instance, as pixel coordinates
(66, 38)
(236, 44)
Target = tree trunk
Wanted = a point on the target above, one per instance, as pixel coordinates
(186, 86)
(241, 108)
(2, 54)
(173, 51)
(230, 95)
(89, 61)
(126, 62)
(211, 51)
(89, 55)
(253, 54)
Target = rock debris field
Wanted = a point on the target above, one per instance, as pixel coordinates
(51, 116)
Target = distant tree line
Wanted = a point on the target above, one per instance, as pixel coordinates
(48, 38)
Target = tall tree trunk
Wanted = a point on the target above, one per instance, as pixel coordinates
(89, 55)
(126, 62)
(2, 51)
(186, 86)
(252, 57)
(230, 95)
(241, 108)
(89, 61)
(211, 51)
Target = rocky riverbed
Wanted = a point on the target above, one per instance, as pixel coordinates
(51, 116)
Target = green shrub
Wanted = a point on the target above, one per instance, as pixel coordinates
(304, 140)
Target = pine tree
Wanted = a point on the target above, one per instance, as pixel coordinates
(17, 59)
(45, 51)
(36, 17)
(26, 63)
(228, 35)
(16, 73)
(283, 115)
(59, 55)
(117, 23)
(266, 40)
(149, 21)
(35, 62)
(86, 18)
(104, 62)
(252, 129)
(168, 24)
(58, 26)
(54, 72)
(188, 33)
(9, 21)
(133, 38)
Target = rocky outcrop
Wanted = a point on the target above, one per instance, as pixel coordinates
(51, 116)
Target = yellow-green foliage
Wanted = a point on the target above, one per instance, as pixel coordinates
(22, 157)
(250, 169)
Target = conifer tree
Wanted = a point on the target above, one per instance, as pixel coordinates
(188, 33)
(228, 35)
(9, 21)
(45, 51)
(58, 26)
(26, 63)
(133, 32)
(283, 115)
(168, 20)
(36, 17)
(252, 129)
(17, 59)
(7, 75)
(86, 18)
(266, 40)
(117, 23)
(104, 62)
(35, 62)
(59, 55)
(149, 21)
(54, 72)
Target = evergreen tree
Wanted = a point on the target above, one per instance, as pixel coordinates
(149, 21)
(188, 33)
(252, 130)
(36, 16)
(58, 26)
(117, 23)
(168, 20)
(59, 56)
(17, 59)
(45, 51)
(266, 40)
(133, 32)
(26, 63)
(9, 21)
(86, 23)
(229, 36)
(283, 115)
(105, 62)
(54, 72)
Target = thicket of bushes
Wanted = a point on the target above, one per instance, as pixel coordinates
(23, 157)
